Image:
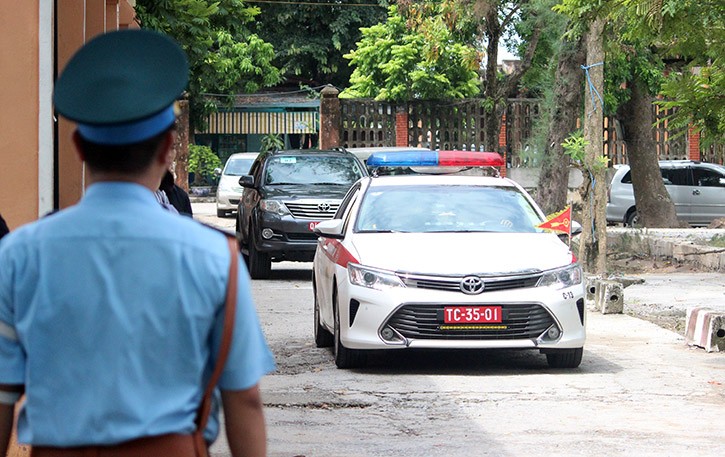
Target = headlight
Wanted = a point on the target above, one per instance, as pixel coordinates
(562, 277)
(372, 278)
(273, 206)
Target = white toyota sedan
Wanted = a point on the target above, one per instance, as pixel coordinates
(442, 261)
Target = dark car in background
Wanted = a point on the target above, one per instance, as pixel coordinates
(286, 194)
(696, 188)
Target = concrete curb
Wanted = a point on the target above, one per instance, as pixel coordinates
(705, 328)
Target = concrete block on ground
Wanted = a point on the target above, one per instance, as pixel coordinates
(705, 328)
(591, 284)
(610, 297)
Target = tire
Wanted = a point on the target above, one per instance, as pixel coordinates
(344, 357)
(221, 213)
(323, 338)
(632, 219)
(565, 358)
(259, 263)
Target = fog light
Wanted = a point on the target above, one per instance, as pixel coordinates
(553, 333)
(387, 333)
(267, 233)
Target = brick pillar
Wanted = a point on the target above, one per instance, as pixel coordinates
(502, 144)
(330, 118)
(693, 144)
(181, 147)
(401, 126)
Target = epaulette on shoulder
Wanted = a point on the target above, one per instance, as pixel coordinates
(227, 233)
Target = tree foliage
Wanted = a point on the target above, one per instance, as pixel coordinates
(395, 62)
(310, 39)
(675, 47)
(225, 57)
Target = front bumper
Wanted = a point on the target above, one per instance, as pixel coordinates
(415, 320)
(227, 201)
(291, 239)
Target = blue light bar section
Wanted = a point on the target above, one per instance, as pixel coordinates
(403, 159)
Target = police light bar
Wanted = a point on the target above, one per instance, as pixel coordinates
(435, 159)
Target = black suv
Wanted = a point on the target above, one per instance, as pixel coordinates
(285, 195)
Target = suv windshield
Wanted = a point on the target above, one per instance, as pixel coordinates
(312, 169)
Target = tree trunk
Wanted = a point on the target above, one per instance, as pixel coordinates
(492, 118)
(567, 100)
(593, 242)
(653, 202)
(181, 147)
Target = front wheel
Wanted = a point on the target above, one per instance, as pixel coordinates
(260, 265)
(344, 357)
(565, 358)
(323, 338)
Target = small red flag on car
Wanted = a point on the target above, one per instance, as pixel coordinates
(558, 222)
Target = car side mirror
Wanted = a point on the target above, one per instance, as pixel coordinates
(330, 229)
(246, 181)
(576, 228)
(217, 171)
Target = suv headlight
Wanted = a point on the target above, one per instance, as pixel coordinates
(273, 206)
(372, 278)
(562, 277)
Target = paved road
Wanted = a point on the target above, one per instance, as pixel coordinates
(640, 390)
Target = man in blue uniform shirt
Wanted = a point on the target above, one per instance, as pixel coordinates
(111, 311)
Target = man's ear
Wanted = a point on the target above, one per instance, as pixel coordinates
(78, 145)
(166, 149)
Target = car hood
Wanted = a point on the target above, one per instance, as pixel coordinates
(461, 253)
(305, 191)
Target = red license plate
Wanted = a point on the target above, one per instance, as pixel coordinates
(312, 225)
(472, 314)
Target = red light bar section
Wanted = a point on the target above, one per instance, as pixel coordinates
(469, 159)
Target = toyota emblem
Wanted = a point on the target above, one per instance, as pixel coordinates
(324, 207)
(472, 285)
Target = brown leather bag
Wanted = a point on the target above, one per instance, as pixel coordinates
(172, 445)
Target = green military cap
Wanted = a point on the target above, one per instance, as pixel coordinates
(121, 86)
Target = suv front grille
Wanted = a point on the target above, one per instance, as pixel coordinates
(521, 321)
(452, 283)
(319, 210)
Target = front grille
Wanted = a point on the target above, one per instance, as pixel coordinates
(522, 321)
(452, 283)
(318, 210)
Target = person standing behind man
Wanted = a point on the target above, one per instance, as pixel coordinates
(111, 311)
(178, 198)
(4, 230)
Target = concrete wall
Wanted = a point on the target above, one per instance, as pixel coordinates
(19, 68)
(33, 179)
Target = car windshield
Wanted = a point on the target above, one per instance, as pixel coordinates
(455, 208)
(238, 167)
(312, 169)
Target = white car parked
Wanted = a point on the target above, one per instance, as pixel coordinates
(440, 261)
(229, 191)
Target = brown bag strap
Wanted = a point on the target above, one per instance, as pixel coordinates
(230, 306)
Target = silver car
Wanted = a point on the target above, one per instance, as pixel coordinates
(697, 189)
(229, 191)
